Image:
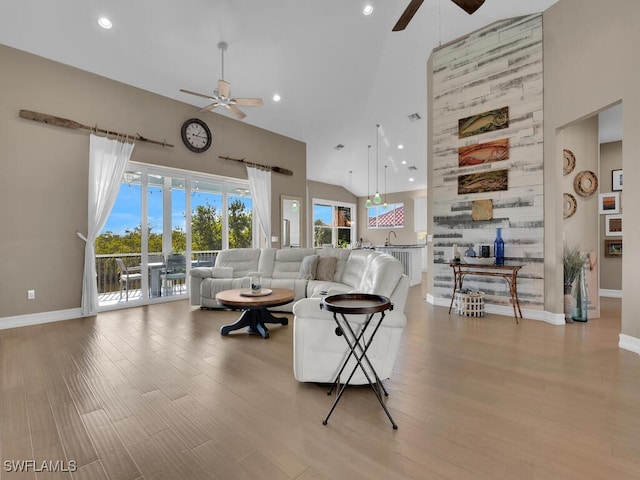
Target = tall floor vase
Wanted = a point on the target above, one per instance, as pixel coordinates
(580, 294)
(569, 303)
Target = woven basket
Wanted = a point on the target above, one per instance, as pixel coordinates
(470, 304)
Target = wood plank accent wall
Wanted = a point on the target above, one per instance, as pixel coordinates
(498, 66)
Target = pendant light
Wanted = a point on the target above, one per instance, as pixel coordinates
(385, 204)
(368, 202)
(376, 197)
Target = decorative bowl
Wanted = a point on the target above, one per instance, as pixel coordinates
(479, 260)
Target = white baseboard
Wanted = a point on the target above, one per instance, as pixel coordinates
(507, 311)
(627, 342)
(605, 292)
(38, 318)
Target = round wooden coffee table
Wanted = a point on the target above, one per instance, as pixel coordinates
(255, 308)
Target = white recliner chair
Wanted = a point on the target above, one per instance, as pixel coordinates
(318, 352)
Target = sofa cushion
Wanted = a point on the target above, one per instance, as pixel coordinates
(288, 260)
(308, 267)
(326, 268)
(381, 274)
(355, 268)
(341, 254)
(212, 272)
(242, 260)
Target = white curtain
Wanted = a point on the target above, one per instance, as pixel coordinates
(107, 162)
(260, 184)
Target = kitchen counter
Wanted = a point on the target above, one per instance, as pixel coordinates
(411, 258)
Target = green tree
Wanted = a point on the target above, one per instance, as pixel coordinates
(321, 233)
(206, 228)
(239, 225)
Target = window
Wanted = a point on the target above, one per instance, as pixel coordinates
(391, 216)
(333, 223)
(187, 215)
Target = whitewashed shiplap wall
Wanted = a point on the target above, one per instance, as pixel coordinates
(500, 65)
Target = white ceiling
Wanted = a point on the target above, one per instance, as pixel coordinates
(339, 73)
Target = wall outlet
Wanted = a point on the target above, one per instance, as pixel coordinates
(429, 238)
(31, 294)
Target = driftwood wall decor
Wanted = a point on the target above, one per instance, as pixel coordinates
(66, 123)
(283, 171)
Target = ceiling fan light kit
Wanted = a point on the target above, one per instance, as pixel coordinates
(368, 202)
(222, 95)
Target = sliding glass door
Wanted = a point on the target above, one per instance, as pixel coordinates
(188, 217)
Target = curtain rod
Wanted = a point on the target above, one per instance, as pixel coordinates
(283, 171)
(64, 122)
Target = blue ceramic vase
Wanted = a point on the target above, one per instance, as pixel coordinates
(498, 248)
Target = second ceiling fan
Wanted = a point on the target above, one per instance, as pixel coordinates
(468, 6)
(222, 95)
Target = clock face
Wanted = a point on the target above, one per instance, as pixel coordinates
(196, 135)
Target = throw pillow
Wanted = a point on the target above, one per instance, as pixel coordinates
(308, 267)
(326, 268)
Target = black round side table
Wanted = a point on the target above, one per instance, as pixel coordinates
(358, 304)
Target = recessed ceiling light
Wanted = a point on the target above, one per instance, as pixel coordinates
(276, 97)
(105, 23)
(368, 9)
(403, 162)
(400, 147)
(411, 179)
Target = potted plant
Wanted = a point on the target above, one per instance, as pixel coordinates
(572, 262)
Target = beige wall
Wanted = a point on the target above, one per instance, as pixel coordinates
(325, 191)
(610, 267)
(586, 70)
(44, 168)
(406, 235)
(581, 229)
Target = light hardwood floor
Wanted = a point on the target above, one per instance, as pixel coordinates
(157, 393)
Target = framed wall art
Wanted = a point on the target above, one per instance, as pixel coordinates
(616, 180)
(609, 202)
(491, 181)
(483, 122)
(613, 248)
(613, 225)
(483, 153)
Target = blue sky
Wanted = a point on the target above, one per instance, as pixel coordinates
(126, 213)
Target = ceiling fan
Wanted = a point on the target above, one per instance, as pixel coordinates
(221, 96)
(468, 6)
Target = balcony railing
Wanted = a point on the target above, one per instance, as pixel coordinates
(108, 273)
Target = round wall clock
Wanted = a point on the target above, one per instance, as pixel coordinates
(196, 135)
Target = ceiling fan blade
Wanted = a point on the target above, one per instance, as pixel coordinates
(250, 102)
(224, 88)
(469, 6)
(239, 114)
(407, 15)
(197, 94)
(210, 107)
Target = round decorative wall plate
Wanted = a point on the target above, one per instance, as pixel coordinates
(586, 183)
(568, 161)
(569, 205)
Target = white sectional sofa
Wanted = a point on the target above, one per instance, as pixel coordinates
(313, 274)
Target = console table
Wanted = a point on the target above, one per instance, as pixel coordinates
(508, 272)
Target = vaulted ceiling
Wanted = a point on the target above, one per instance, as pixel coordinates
(339, 72)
